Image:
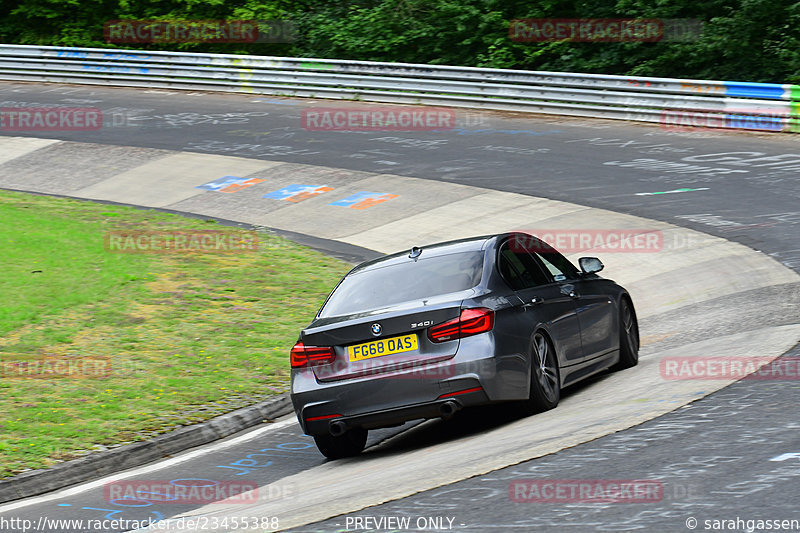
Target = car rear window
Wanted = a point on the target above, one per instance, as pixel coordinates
(381, 287)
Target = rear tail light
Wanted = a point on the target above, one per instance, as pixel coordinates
(471, 322)
(303, 355)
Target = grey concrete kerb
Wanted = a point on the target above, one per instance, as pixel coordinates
(100, 464)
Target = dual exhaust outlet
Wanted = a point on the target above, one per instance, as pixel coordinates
(447, 409)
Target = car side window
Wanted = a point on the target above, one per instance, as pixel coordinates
(556, 264)
(557, 273)
(519, 268)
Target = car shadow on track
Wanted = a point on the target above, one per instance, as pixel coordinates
(467, 422)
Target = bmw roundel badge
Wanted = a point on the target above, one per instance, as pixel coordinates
(376, 329)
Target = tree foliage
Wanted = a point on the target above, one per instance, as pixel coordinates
(747, 40)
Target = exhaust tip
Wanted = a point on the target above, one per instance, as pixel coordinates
(337, 428)
(448, 409)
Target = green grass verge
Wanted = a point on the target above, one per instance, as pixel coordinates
(154, 340)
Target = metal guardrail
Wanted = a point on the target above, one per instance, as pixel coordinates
(674, 102)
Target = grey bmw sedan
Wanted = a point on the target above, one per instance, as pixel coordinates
(426, 332)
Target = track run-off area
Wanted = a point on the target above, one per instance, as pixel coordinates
(718, 280)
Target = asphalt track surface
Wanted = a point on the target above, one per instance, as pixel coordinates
(721, 458)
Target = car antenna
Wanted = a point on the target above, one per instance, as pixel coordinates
(415, 252)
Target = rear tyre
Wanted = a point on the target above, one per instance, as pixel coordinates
(350, 443)
(628, 337)
(545, 389)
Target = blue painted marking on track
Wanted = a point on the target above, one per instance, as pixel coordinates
(221, 183)
(363, 199)
(284, 450)
(109, 516)
(293, 190)
(769, 91)
(354, 199)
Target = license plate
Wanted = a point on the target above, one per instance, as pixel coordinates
(381, 347)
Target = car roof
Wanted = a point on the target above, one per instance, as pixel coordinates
(471, 244)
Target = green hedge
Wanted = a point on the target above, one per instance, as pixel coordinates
(746, 40)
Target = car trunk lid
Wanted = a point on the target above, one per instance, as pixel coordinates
(380, 343)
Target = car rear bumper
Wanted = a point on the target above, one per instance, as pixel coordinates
(393, 398)
(443, 407)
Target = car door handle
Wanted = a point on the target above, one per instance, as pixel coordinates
(536, 300)
(573, 294)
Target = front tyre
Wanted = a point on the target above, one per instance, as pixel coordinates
(350, 443)
(628, 337)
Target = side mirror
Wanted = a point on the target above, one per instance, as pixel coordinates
(590, 265)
